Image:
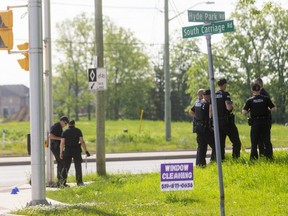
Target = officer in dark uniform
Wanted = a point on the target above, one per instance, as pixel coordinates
(198, 100)
(55, 138)
(263, 92)
(259, 107)
(201, 111)
(70, 147)
(226, 118)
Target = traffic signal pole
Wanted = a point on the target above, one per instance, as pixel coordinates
(48, 93)
(36, 103)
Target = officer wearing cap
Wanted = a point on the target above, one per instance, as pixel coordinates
(202, 113)
(55, 137)
(259, 107)
(226, 118)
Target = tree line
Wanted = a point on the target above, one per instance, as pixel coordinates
(257, 48)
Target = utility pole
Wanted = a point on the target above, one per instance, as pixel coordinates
(167, 74)
(36, 103)
(48, 92)
(100, 95)
(167, 65)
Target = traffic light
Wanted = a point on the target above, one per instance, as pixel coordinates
(24, 63)
(6, 34)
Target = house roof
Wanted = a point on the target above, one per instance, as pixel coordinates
(14, 90)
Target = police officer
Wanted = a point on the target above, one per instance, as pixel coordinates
(201, 112)
(226, 118)
(55, 137)
(70, 148)
(263, 92)
(259, 107)
(198, 100)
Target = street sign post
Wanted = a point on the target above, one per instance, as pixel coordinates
(208, 30)
(205, 29)
(205, 16)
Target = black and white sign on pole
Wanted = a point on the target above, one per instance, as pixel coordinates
(97, 79)
(101, 79)
(92, 78)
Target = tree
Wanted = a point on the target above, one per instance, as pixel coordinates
(258, 48)
(129, 73)
(182, 57)
(128, 70)
(76, 44)
(156, 96)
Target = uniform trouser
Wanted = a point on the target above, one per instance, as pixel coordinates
(260, 131)
(67, 160)
(228, 128)
(55, 148)
(204, 137)
(261, 145)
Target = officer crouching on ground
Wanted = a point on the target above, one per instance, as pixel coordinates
(70, 148)
(259, 107)
(202, 112)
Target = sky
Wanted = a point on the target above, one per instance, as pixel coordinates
(145, 18)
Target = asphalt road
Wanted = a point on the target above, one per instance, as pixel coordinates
(17, 170)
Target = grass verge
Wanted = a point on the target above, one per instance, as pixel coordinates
(250, 187)
(128, 136)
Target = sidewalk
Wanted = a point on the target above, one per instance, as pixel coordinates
(11, 202)
(14, 161)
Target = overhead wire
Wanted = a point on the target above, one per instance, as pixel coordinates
(179, 19)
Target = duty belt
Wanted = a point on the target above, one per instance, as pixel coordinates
(223, 117)
(202, 123)
(259, 117)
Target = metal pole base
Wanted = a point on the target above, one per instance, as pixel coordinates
(38, 202)
(51, 184)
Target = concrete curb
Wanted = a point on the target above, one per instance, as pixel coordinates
(113, 157)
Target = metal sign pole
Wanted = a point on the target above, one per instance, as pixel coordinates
(48, 94)
(215, 123)
(36, 103)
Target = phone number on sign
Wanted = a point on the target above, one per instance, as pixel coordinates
(177, 186)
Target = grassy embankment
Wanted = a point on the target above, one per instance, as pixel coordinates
(150, 138)
(251, 188)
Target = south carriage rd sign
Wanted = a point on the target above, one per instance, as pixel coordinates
(205, 16)
(213, 28)
(176, 176)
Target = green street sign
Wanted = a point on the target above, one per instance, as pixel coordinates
(205, 16)
(213, 28)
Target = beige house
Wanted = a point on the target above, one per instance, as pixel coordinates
(13, 99)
